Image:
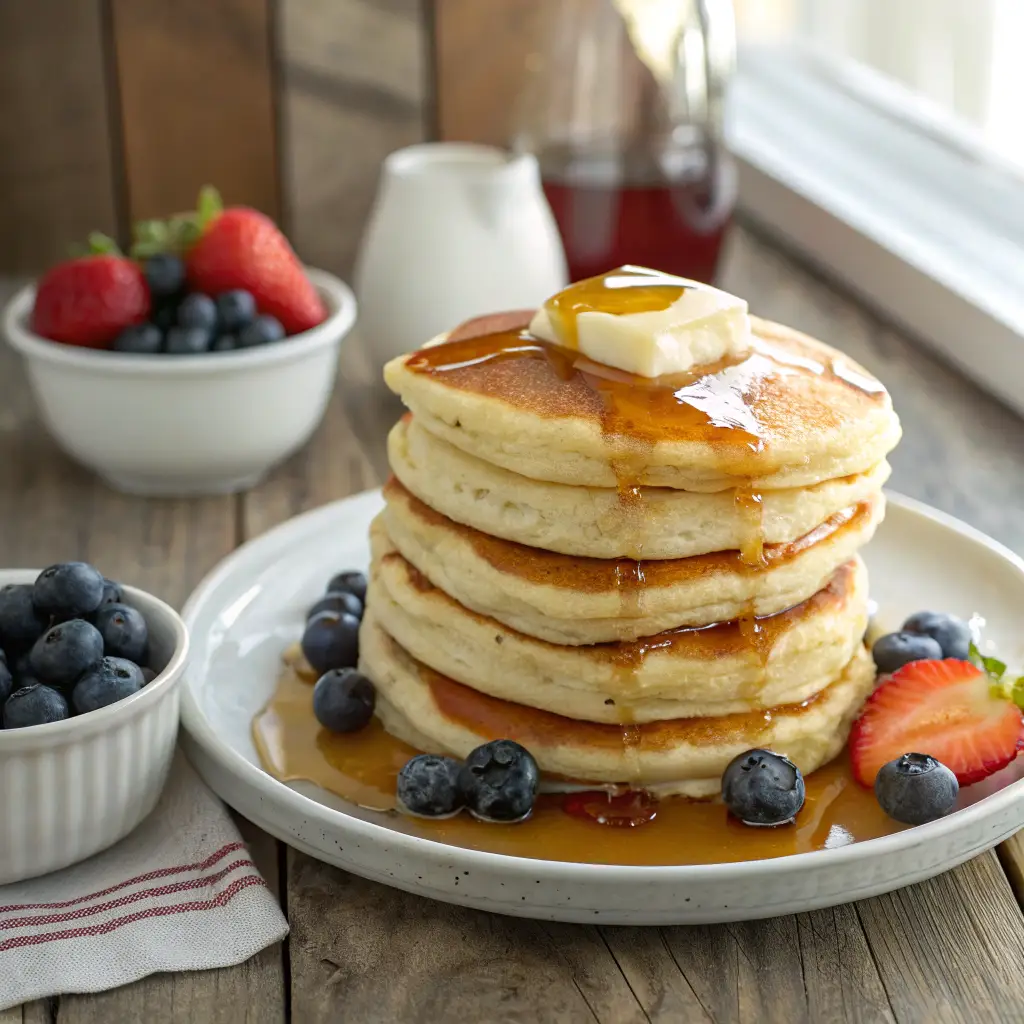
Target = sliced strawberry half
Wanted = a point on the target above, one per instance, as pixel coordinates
(950, 709)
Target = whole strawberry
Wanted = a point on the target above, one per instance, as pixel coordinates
(88, 301)
(241, 248)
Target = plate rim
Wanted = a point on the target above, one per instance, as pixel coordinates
(199, 730)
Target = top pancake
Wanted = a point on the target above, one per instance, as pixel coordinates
(790, 414)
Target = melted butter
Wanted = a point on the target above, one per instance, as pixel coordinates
(363, 768)
(622, 291)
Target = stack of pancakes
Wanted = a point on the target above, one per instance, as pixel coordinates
(636, 579)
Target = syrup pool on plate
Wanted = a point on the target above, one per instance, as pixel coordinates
(363, 768)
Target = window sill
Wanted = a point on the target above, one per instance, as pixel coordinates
(913, 221)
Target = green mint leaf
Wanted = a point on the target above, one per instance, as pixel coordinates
(1017, 693)
(992, 666)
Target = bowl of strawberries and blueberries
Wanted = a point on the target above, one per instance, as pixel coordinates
(213, 281)
(70, 644)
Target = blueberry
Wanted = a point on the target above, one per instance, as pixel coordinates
(187, 341)
(141, 339)
(65, 651)
(894, 650)
(428, 785)
(71, 590)
(6, 682)
(164, 316)
(915, 788)
(235, 309)
(498, 782)
(3, 656)
(761, 787)
(112, 593)
(343, 700)
(331, 640)
(224, 343)
(111, 680)
(337, 602)
(165, 275)
(350, 582)
(34, 705)
(20, 624)
(262, 331)
(949, 632)
(124, 632)
(198, 310)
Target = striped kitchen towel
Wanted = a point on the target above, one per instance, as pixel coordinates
(181, 893)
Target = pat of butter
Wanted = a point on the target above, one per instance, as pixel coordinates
(645, 322)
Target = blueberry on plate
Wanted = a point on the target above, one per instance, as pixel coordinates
(235, 309)
(224, 343)
(6, 681)
(20, 624)
(140, 339)
(262, 331)
(343, 700)
(34, 705)
(915, 789)
(331, 640)
(499, 781)
(65, 651)
(112, 593)
(124, 632)
(187, 341)
(165, 275)
(198, 310)
(349, 582)
(951, 634)
(337, 601)
(70, 590)
(761, 787)
(428, 786)
(111, 680)
(894, 650)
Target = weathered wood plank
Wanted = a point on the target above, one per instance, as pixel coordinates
(51, 510)
(1011, 856)
(196, 96)
(352, 90)
(364, 952)
(478, 84)
(950, 949)
(56, 169)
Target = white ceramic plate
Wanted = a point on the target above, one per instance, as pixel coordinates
(253, 605)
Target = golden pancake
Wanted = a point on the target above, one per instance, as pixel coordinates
(685, 756)
(572, 600)
(715, 670)
(791, 413)
(595, 522)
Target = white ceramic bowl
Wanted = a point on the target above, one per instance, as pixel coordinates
(180, 425)
(73, 788)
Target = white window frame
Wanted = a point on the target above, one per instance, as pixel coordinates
(906, 207)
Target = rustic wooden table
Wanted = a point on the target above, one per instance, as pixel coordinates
(951, 949)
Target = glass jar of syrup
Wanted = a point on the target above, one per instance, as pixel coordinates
(623, 105)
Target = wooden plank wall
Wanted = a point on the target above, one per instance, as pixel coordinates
(119, 109)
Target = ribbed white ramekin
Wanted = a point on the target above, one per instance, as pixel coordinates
(73, 788)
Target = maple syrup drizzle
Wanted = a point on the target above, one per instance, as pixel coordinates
(362, 768)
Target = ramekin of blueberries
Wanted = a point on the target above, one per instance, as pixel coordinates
(72, 642)
(497, 781)
(90, 675)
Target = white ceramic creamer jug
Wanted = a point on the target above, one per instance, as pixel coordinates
(456, 231)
